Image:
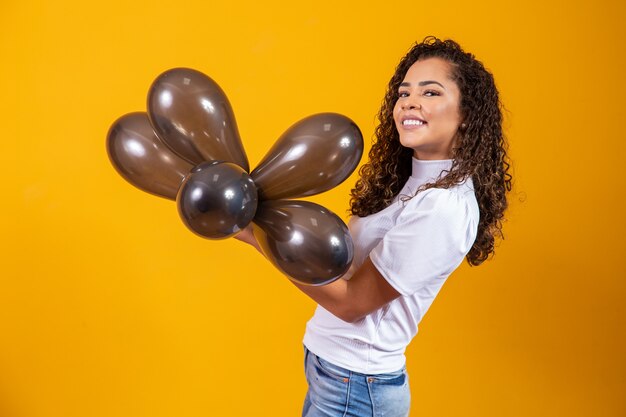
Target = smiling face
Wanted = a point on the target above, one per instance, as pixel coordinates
(427, 113)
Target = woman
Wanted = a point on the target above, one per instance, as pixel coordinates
(432, 193)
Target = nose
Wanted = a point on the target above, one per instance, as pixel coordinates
(411, 106)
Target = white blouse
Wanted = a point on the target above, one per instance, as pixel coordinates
(415, 245)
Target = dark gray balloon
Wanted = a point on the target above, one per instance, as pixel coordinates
(142, 159)
(217, 200)
(193, 116)
(307, 242)
(312, 156)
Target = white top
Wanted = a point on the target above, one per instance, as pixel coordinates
(415, 245)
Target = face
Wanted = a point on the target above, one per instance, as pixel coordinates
(427, 113)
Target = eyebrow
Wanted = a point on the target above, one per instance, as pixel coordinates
(423, 83)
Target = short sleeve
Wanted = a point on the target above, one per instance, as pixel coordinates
(430, 238)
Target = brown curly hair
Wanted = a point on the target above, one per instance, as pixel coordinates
(480, 150)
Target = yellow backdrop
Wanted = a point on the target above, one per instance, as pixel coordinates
(109, 306)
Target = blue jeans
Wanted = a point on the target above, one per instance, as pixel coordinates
(338, 392)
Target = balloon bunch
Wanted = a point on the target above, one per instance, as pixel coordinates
(187, 148)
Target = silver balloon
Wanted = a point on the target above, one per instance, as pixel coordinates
(307, 242)
(217, 200)
(314, 155)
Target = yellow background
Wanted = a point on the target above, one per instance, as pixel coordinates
(109, 306)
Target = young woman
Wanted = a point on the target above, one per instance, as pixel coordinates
(433, 193)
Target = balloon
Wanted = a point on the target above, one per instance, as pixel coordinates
(142, 159)
(312, 156)
(305, 241)
(217, 200)
(190, 123)
(192, 115)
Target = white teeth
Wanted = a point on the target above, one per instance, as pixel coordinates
(412, 122)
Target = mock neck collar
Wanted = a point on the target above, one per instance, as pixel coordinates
(429, 170)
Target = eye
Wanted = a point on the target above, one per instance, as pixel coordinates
(431, 93)
(403, 94)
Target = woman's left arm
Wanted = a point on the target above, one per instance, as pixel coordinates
(350, 300)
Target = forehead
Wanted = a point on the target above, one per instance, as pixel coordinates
(436, 69)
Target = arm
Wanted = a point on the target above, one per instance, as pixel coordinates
(350, 300)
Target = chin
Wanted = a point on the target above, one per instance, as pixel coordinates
(410, 144)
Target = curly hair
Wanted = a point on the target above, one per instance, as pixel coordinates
(480, 149)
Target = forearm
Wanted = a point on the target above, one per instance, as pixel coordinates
(349, 300)
(334, 297)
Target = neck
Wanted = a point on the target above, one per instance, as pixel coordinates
(429, 170)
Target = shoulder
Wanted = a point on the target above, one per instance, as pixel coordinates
(433, 233)
(455, 203)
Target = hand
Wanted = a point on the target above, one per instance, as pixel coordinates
(247, 236)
